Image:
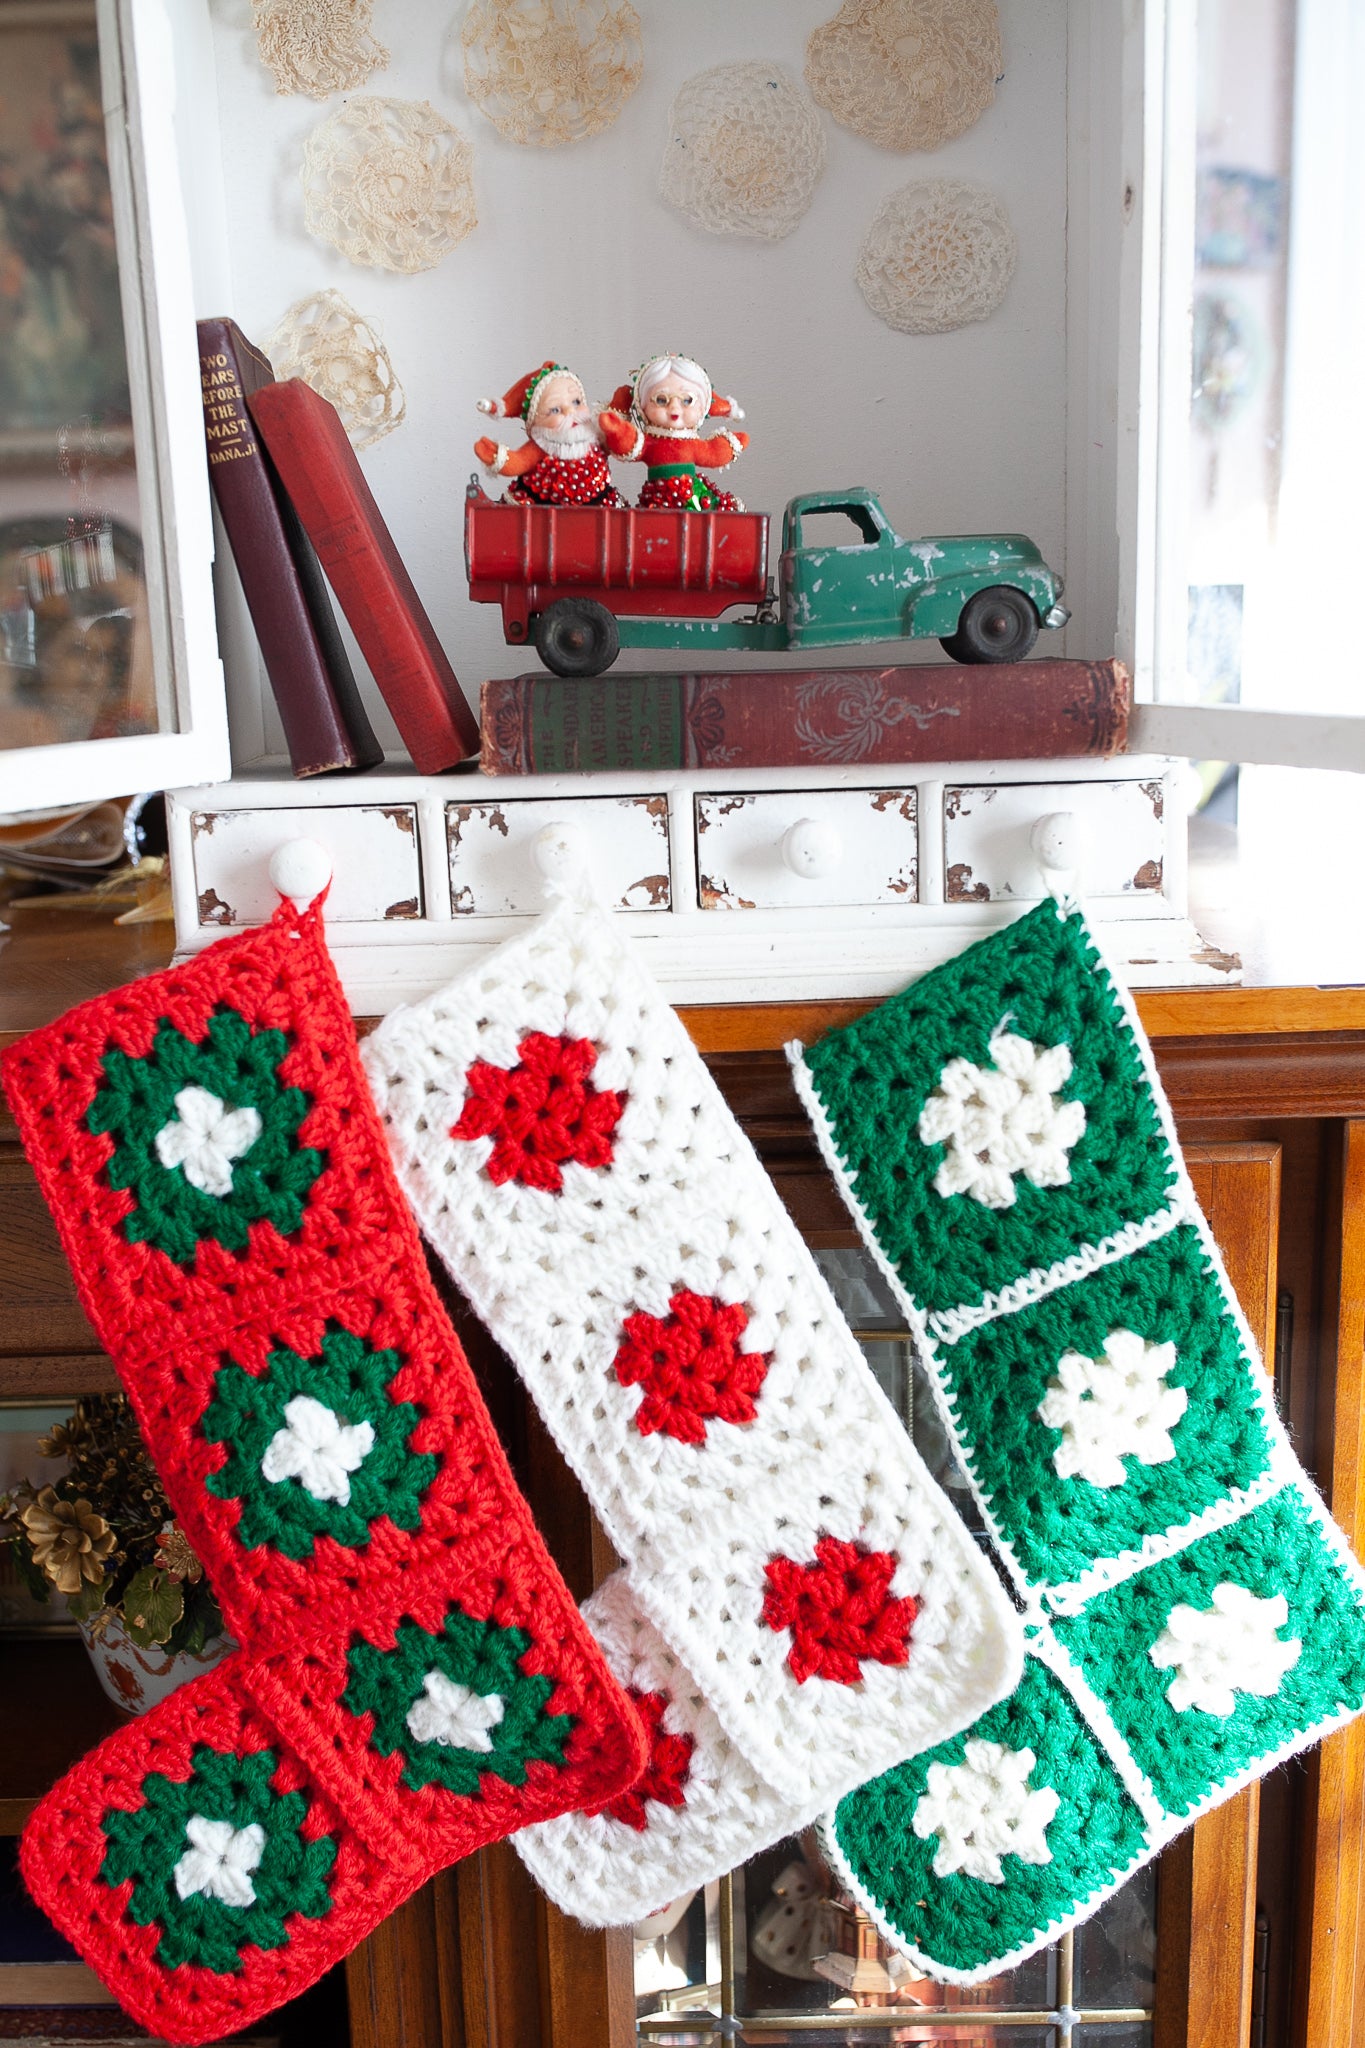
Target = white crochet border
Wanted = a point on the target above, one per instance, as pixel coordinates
(1163, 1827)
(928, 1330)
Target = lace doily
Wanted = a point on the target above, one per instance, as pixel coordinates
(745, 151)
(938, 255)
(909, 74)
(551, 71)
(325, 341)
(388, 183)
(317, 46)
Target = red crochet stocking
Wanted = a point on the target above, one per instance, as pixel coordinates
(195, 1865)
(209, 1149)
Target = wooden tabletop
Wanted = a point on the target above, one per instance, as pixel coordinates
(52, 959)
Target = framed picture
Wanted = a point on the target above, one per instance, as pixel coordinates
(109, 675)
(21, 1425)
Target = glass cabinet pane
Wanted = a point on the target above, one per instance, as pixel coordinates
(76, 630)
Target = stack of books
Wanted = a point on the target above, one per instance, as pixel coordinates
(294, 504)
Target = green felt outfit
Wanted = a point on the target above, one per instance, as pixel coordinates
(1192, 1613)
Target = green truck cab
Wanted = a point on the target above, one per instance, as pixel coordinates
(983, 595)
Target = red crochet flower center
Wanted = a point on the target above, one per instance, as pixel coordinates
(841, 1611)
(666, 1773)
(690, 1366)
(541, 1112)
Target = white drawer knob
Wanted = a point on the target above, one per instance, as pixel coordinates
(560, 852)
(812, 849)
(301, 869)
(1060, 842)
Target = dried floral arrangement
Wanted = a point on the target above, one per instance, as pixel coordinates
(103, 1534)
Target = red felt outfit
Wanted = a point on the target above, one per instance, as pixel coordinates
(539, 478)
(538, 475)
(683, 457)
(674, 460)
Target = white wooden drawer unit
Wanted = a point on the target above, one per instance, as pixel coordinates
(739, 887)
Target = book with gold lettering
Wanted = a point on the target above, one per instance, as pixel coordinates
(325, 725)
(309, 447)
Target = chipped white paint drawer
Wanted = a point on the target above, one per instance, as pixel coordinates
(376, 869)
(988, 857)
(803, 849)
(493, 871)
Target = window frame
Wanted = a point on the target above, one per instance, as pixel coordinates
(138, 77)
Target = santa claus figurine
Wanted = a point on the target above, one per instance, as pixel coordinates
(562, 463)
(657, 419)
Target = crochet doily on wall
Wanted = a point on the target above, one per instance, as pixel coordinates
(551, 71)
(325, 341)
(389, 183)
(317, 46)
(909, 74)
(745, 151)
(938, 255)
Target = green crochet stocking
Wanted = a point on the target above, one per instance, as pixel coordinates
(1193, 1615)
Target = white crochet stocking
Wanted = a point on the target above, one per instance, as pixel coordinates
(574, 1165)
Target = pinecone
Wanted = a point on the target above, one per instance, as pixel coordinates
(69, 1540)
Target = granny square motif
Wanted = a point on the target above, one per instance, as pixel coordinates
(974, 1853)
(1019, 1063)
(699, 1809)
(194, 1863)
(1189, 1604)
(210, 1151)
(574, 1165)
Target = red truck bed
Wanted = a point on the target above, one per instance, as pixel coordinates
(637, 564)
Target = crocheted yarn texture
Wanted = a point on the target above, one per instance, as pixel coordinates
(317, 47)
(323, 339)
(551, 71)
(208, 1147)
(576, 1168)
(745, 151)
(388, 183)
(1193, 1615)
(908, 74)
(198, 1869)
(939, 254)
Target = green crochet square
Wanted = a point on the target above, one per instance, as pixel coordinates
(964, 1920)
(1226, 1689)
(1040, 979)
(1099, 1482)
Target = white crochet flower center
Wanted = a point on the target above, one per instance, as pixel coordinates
(205, 1138)
(318, 1449)
(220, 1860)
(450, 1713)
(1233, 1646)
(1003, 1120)
(1112, 1408)
(982, 1810)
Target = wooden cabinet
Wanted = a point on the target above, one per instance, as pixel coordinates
(1258, 1910)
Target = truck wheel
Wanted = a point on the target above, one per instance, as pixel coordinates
(999, 624)
(577, 637)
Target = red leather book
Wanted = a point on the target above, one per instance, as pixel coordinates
(804, 718)
(309, 447)
(325, 726)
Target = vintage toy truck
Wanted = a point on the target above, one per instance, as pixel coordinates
(580, 583)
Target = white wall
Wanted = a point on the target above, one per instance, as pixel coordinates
(576, 256)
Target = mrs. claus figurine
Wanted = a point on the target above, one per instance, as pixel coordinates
(562, 462)
(657, 419)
